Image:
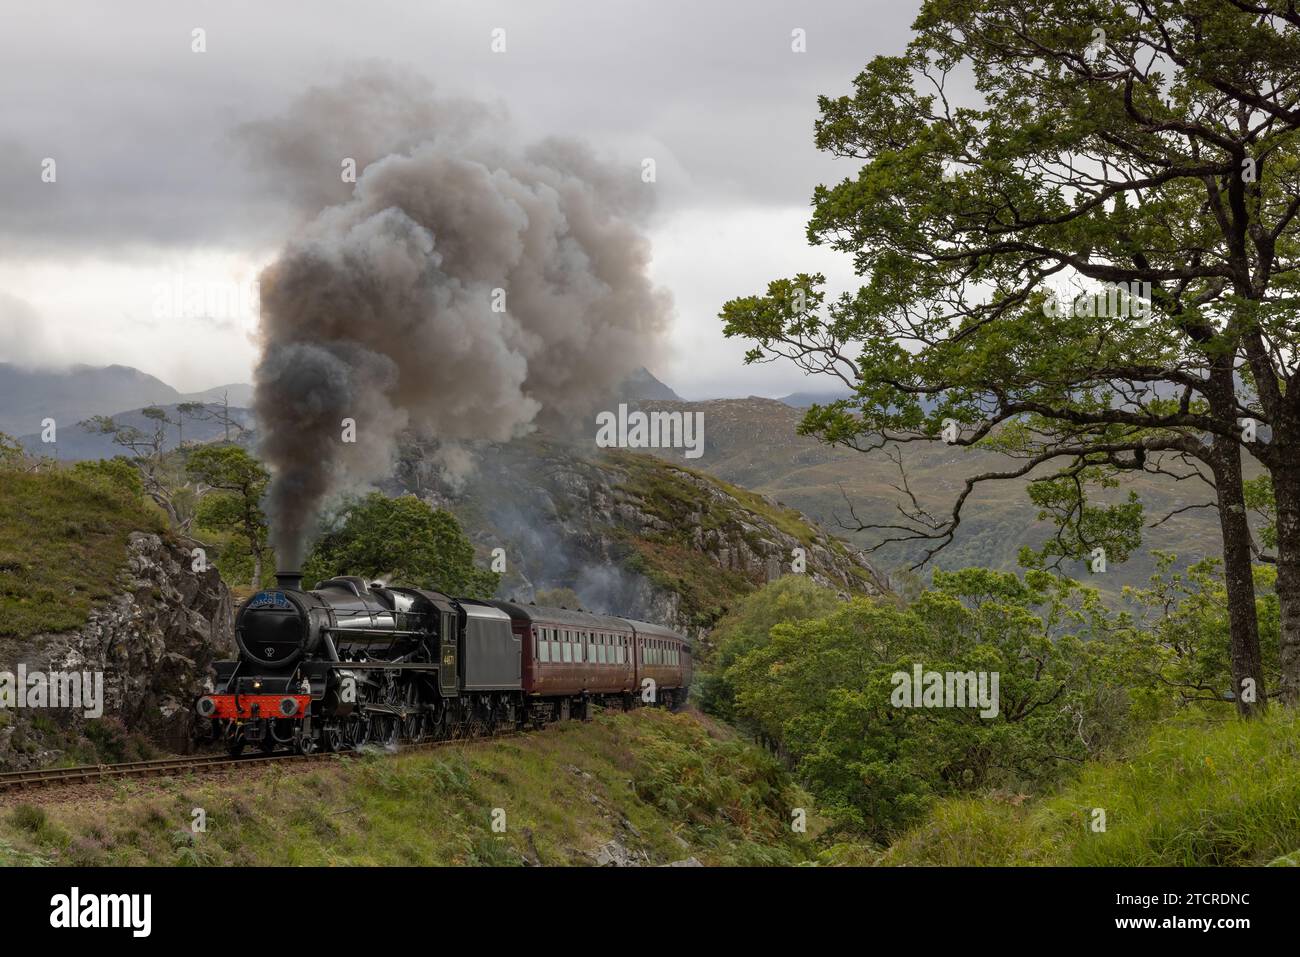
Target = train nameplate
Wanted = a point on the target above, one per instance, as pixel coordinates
(270, 599)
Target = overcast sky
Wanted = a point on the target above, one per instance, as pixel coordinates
(155, 189)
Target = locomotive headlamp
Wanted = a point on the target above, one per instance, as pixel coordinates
(288, 707)
(256, 685)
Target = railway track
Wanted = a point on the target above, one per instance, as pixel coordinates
(11, 781)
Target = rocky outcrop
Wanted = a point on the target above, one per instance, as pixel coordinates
(635, 535)
(153, 642)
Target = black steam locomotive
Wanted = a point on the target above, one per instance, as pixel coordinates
(351, 662)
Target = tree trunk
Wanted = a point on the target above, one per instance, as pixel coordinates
(1286, 493)
(1243, 627)
(257, 569)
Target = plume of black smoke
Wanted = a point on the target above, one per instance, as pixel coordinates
(382, 309)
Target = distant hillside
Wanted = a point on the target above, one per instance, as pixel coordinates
(76, 443)
(27, 396)
(802, 400)
(754, 443)
(642, 385)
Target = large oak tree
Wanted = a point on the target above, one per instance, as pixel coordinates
(1021, 147)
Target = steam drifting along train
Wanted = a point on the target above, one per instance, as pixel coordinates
(351, 662)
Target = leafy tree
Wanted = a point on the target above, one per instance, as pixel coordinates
(1153, 145)
(12, 453)
(159, 476)
(747, 626)
(402, 540)
(823, 688)
(558, 598)
(238, 483)
(1170, 641)
(117, 473)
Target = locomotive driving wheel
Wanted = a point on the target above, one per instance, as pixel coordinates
(414, 728)
(384, 730)
(358, 732)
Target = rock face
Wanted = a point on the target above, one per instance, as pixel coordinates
(153, 643)
(634, 535)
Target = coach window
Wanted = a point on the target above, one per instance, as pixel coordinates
(555, 646)
(567, 646)
(543, 647)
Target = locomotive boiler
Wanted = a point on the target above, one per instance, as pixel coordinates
(351, 662)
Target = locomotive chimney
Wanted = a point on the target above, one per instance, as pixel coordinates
(289, 580)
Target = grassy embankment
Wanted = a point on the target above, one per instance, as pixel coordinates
(62, 546)
(666, 787)
(1194, 794)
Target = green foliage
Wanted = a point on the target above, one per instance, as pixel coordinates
(792, 598)
(233, 509)
(11, 452)
(823, 689)
(558, 598)
(1170, 640)
(116, 473)
(402, 540)
(1195, 794)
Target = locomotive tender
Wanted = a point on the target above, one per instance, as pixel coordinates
(351, 662)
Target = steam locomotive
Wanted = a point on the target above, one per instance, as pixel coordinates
(350, 662)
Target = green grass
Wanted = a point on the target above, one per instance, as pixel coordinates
(1195, 794)
(62, 545)
(666, 786)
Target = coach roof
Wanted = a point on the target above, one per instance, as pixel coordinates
(568, 617)
(649, 629)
